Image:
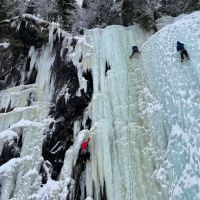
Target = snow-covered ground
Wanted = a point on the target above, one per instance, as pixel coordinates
(79, 2)
(145, 116)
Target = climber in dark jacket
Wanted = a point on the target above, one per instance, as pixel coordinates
(135, 50)
(180, 47)
(85, 154)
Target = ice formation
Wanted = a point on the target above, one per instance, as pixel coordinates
(24, 116)
(144, 112)
(5, 45)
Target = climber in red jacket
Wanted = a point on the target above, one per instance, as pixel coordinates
(85, 154)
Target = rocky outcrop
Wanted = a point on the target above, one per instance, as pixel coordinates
(20, 33)
(65, 111)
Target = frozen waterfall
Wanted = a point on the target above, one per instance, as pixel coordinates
(23, 118)
(144, 113)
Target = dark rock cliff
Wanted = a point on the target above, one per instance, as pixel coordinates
(21, 33)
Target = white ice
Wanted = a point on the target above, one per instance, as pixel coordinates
(5, 45)
(145, 111)
(19, 177)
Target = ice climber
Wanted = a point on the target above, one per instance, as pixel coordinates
(85, 154)
(180, 47)
(135, 50)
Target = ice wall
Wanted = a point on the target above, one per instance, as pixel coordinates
(174, 125)
(145, 112)
(121, 158)
(24, 114)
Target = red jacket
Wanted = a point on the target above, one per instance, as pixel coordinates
(85, 144)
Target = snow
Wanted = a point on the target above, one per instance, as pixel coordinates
(166, 20)
(89, 198)
(36, 19)
(28, 178)
(79, 2)
(49, 190)
(24, 171)
(7, 172)
(25, 123)
(36, 113)
(5, 45)
(8, 134)
(163, 21)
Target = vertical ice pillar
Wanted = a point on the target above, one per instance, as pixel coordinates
(28, 179)
(121, 159)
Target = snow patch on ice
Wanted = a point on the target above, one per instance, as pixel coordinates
(5, 45)
(8, 134)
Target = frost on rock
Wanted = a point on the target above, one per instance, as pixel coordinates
(5, 45)
(7, 135)
(89, 198)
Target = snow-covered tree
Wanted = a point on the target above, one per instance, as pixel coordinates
(2, 10)
(47, 9)
(95, 12)
(31, 7)
(174, 7)
(67, 11)
(15, 7)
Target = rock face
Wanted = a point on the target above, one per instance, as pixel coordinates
(68, 108)
(21, 33)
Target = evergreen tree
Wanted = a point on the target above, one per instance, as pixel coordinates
(67, 11)
(95, 12)
(47, 9)
(174, 7)
(143, 12)
(2, 10)
(15, 7)
(31, 7)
